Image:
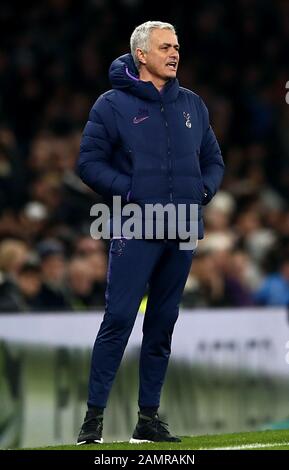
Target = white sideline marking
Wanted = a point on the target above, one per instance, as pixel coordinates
(138, 441)
(250, 446)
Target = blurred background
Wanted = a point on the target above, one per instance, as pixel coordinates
(54, 60)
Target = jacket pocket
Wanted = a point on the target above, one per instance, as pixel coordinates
(200, 175)
(198, 189)
(132, 188)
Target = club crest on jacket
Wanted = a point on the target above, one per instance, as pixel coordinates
(188, 119)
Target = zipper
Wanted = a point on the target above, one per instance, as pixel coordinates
(169, 158)
(129, 153)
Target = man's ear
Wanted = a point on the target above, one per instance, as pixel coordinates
(141, 56)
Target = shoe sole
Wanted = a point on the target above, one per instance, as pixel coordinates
(96, 441)
(138, 441)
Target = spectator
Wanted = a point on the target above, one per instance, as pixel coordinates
(13, 255)
(80, 285)
(274, 290)
(29, 286)
(52, 295)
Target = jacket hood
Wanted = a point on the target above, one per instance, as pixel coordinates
(124, 75)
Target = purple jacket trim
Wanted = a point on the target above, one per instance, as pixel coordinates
(130, 75)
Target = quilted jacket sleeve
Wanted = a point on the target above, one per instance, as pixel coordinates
(211, 161)
(94, 162)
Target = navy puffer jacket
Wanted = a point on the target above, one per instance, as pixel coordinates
(149, 146)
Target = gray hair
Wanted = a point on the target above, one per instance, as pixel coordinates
(141, 35)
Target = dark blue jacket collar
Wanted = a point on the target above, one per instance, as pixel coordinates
(123, 75)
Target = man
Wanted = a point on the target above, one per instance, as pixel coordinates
(148, 141)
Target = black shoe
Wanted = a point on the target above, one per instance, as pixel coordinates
(91, 430)
(151, 429)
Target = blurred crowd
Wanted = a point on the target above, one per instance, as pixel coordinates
(54, 59)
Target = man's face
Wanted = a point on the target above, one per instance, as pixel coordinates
(162, 58)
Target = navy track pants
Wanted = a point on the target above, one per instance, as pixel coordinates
(133, 265)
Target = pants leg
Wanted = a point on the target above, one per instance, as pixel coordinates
(166, 287)
(130, 265)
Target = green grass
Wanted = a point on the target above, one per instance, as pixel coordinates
(263, 440)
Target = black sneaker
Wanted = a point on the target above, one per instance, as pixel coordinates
(91, 430)
(151, 429)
